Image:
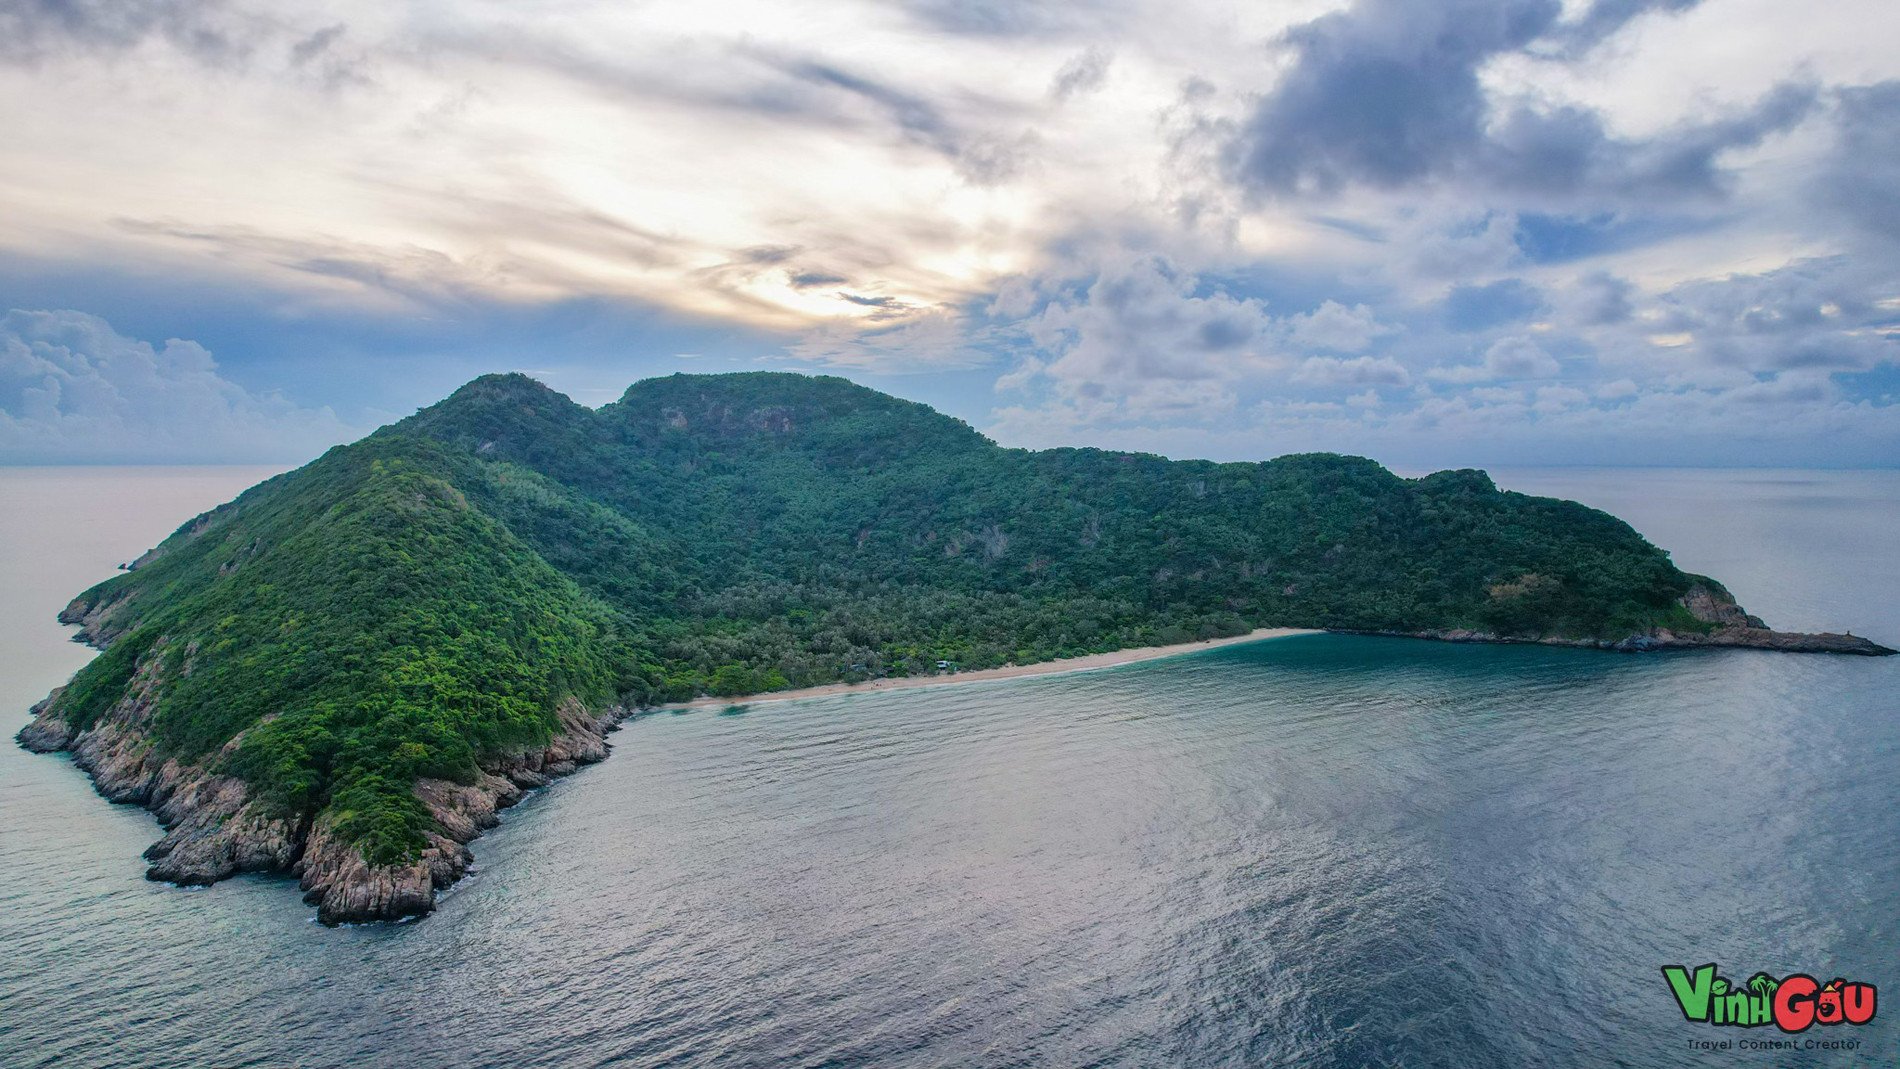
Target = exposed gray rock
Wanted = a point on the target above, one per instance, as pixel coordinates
(215, 829)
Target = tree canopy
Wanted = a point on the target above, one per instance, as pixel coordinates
(421, 601)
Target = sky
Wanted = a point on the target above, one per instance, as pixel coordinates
(1433, 232)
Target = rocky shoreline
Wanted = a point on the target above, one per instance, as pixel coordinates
(1744, 638)
(1733, 628)
(215, 829)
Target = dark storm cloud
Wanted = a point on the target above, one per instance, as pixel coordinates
(34, 30)
(1387, 93)
(1384, 92)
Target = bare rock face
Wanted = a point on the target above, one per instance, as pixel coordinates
(1762, 638)
(1716, 607)
(215, 829)
(1736, 629)
(45, 734)
(95, 619)
(344, 887)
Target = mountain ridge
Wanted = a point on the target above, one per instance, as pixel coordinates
(347, 670)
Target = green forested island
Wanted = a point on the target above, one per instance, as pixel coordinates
(344, 671)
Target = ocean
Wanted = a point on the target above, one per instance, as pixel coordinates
(1314, 851)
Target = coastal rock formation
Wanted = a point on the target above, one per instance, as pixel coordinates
(215, 828)
(1732, 628)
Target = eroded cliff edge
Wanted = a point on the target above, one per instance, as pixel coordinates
(216, 826)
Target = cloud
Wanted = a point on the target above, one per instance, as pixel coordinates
(1507, 358)
(1084, 73)
(1547, 238)
(827, 91)
(1358, 371)
(1472, 308)
(923, 340)
(1384, 92)
(32, 31)
(1828, 313)
(1518, 358)
(871, 302)
(1129, 217)
(1598, 299)
(1620, 390)
(1558, 398)
(1567, 152)
(316, 44)
(1861, 180)
(1140, 329)
(73, 390)
(1604, 18)
(1389, 93)
(1015, 18)
(807, 279)
(1336, 327)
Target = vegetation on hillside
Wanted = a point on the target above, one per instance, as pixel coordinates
(421, 601)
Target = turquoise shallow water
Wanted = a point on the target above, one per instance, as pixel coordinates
(1313, 851)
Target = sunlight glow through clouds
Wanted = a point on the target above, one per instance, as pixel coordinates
(1134, 218)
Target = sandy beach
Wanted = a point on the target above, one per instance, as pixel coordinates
(1041, 668)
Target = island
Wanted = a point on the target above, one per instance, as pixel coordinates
(345, 673)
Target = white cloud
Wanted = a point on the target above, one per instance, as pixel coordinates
(1358, 371)
(1335, 327)
(1507, 358)
(1619, 390)
(1140, 340)
(73, 390)
(1518, 358)
(1558, 398)
(931, 340)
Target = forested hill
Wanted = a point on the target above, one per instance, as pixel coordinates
(419, 604)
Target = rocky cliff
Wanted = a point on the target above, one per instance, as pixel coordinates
(216, 828)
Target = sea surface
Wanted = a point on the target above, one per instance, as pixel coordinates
(1315, 851)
